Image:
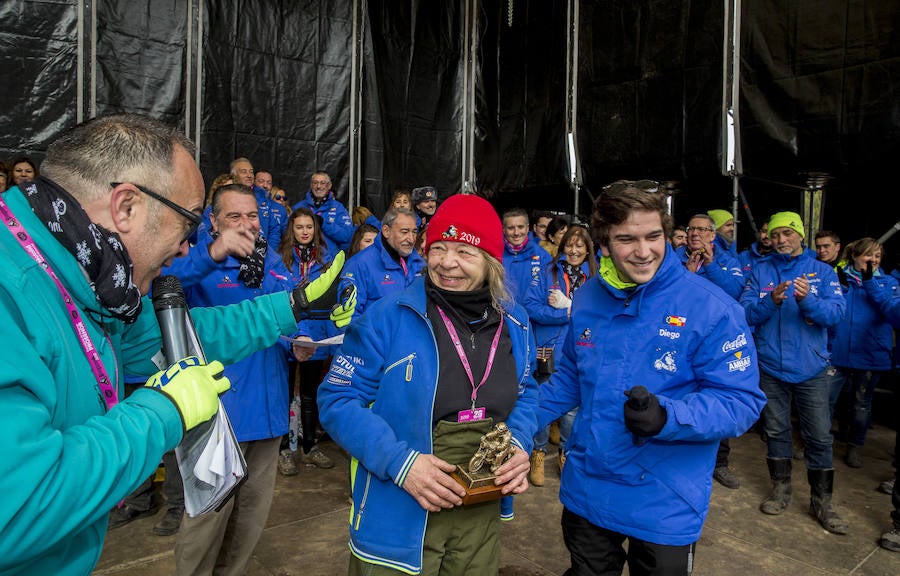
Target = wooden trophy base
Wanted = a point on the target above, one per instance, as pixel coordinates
(479, 486)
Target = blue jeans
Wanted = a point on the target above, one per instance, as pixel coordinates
(856, 403)
(565, 429)
(814, 414)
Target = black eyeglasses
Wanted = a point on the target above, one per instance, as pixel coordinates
(698, 229)
(279, 197)
(192, 218)
(644, 185)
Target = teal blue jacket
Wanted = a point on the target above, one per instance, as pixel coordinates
(66, 460)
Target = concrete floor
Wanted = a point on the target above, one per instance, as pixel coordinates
(307, 528)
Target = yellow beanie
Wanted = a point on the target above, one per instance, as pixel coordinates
(790, 220)
(719, 217)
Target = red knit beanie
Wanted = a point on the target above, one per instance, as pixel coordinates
(469, 219)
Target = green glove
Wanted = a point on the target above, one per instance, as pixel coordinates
(319, 297)
(193, 387)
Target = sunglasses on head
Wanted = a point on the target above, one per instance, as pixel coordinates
(644, 185)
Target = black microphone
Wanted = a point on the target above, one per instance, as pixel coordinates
(171, 313)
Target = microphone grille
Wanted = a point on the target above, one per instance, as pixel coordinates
(166, 292)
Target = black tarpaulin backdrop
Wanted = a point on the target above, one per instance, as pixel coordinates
(819, 93)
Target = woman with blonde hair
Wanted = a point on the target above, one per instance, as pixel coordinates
(407, 420)
(277, 194)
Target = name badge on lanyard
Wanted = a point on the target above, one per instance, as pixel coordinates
(472, 414)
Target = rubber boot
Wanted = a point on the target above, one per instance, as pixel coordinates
(821, 484)
(780, 473)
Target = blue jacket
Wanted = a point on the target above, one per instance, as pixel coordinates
(272, 217)
(66, 459)
(258, 398)
(550, 324)
(375, 274)
(315, 328)
(524, 267)
(689, 344)
(377, 402)
(749, 257)
(724, 271)
(864, 339)
(723, 245)
(336, 224)
(792, 339)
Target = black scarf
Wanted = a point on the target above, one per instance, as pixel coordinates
(317, 202)
(304, 253)
(474, 308)
(99, 251)
(253, 267)
(576, 276)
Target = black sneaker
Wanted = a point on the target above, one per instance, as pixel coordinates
(127, 514)
(724, 476)
(169, 523)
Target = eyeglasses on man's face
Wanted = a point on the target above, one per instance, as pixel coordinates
(193, 219)
(690, 229)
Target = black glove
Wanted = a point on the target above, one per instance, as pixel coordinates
(316, 299)
(868, 272)
(842, 277)
(643, 414)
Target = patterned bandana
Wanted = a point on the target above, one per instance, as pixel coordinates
(99, 251)
(253, 266)
(304, 253)
(576, 276)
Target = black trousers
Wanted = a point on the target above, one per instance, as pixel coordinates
(597, 551)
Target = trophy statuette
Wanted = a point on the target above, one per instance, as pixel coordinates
(478, 477)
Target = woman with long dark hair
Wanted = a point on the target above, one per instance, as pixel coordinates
(306, 255)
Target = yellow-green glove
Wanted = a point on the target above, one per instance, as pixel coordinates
(316, 299)
(193, 387)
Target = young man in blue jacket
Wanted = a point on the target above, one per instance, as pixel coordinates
(661, 365)
(791, 299)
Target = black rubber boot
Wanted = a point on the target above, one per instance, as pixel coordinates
(821, 484)
(780, 473)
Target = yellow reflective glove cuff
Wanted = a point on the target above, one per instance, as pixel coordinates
(193, 387)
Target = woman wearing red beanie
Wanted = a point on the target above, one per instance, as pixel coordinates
(420, 378)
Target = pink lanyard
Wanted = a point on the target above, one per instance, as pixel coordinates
(465, 360)
(90, 351)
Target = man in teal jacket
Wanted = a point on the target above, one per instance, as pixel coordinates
(118, 198)
(662, 366)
